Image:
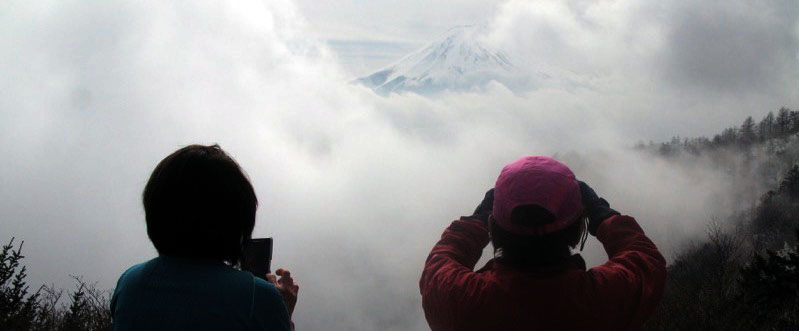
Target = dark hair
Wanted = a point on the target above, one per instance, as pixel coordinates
(199, 204)
(530, 251)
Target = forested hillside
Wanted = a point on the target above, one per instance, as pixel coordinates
(744, 275)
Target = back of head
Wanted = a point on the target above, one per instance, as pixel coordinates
(540, 181)
(199, 204)
(524, 251)
(536, 206)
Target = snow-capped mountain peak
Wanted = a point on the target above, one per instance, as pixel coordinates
(461, 60)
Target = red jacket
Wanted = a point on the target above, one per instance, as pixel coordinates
(618, 295)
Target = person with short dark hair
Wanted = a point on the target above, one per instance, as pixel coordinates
(534, 216)
(199, 208)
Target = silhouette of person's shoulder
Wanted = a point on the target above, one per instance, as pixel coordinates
(179, 290)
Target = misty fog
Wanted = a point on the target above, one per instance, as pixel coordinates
(356, 187)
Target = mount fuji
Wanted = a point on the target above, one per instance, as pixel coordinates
(460, 61)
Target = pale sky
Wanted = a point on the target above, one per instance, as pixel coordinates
(370, 34)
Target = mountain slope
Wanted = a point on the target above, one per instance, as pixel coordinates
(459, 61)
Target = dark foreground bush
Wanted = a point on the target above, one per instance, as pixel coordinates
(44, 309)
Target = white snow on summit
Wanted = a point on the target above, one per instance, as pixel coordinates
(461, 61)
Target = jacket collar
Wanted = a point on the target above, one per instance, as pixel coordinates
(574, 261)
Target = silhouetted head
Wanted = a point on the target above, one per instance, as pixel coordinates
(523, 251)
(537, 205)
(199, 204)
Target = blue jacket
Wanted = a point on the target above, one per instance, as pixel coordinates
(170, 293)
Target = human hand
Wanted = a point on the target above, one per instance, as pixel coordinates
(485, 207)
(287, 287)
(588, 194)
(596, 209)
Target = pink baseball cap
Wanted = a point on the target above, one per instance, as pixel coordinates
(541, 181)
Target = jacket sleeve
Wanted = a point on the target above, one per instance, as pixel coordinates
(449, 286)
(629, 286)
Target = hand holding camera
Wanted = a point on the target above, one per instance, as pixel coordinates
(257, 260)
(287, 287)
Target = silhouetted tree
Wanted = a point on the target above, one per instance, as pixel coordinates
(747, 134)
(766, 127)
(18, 309)
(728, 136)
(794, 120)
(88, 308)
(783, 123)
(790, 184)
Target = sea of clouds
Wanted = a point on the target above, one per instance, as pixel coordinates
(355, 187)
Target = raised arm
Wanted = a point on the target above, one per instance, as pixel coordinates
(449, 267)
(629, 286)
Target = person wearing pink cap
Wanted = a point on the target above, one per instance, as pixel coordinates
(534, 216)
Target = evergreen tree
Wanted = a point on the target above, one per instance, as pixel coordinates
(17, 309)
(794, 120)
(783, 123)
(747, 134)
(766, 127)
(728, 136)
(790, 184)
(77, 317)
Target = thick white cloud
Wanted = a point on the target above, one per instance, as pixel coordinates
(409, 21)
(665, 68)
(736, 48)
(354, 187)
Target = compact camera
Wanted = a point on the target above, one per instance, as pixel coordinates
(257, 256)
